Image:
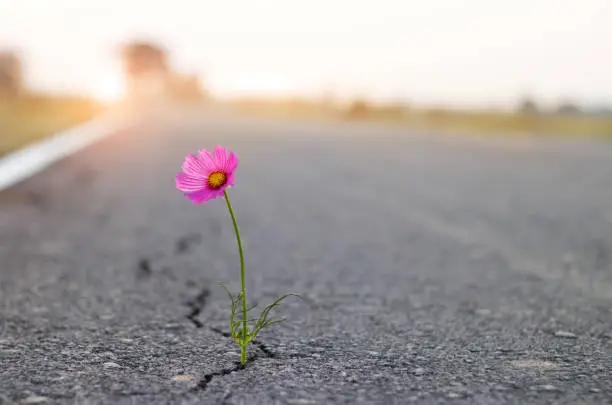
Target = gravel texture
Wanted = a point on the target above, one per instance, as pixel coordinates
(434, 269)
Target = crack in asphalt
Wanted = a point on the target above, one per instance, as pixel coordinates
(185, 243)
(264, 349)
(203, 383)
(144, 268)
(35, 199)
(220, 332)
(257, 343)
(196, 305)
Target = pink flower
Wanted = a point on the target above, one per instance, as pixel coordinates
(207, 175)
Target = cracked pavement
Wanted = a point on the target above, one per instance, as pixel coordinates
(434, 269)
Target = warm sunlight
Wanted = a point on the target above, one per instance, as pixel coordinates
(108, 89)
(362, 48)
(252, 85)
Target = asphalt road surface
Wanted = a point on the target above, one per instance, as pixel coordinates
(434, 269)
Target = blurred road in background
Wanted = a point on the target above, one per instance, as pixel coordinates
(435, 269)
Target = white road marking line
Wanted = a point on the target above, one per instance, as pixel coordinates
(31, 159)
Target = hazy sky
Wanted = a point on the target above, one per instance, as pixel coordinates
(456, 51)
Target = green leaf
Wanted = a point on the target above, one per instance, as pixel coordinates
(274, 322)
(263, 322)
(235, 333)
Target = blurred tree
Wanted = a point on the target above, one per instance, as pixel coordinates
(142, 57)
(359, 108)
(568, 108)
(147, 71)
(601, 111)
(530, 112)
(528, 106)
(11, 83)
(186, 89)
(394, 109)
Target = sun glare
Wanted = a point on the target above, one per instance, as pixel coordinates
(108, 89)
(254, 85)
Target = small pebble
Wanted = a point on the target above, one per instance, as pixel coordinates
(183, 378)
(533, 364)
(565, 334)
(483, 312)
(34, 400)
(453, 395)
(110, 364)
(418, 371)
(547, 387)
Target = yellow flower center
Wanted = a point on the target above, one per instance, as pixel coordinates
(216, 180)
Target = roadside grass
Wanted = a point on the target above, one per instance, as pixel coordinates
(515, 124)
(482, 123)
(34, 117)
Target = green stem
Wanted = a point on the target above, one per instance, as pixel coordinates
(245, 330)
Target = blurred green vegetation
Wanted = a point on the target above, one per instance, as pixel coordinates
(493, 123)
(35, 116)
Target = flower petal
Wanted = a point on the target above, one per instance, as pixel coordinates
(232, 163)
(220, 157)
(201, 196)
(197, 169)
(208, 160)
(196, 166)
(229, 182)
(188, 183)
